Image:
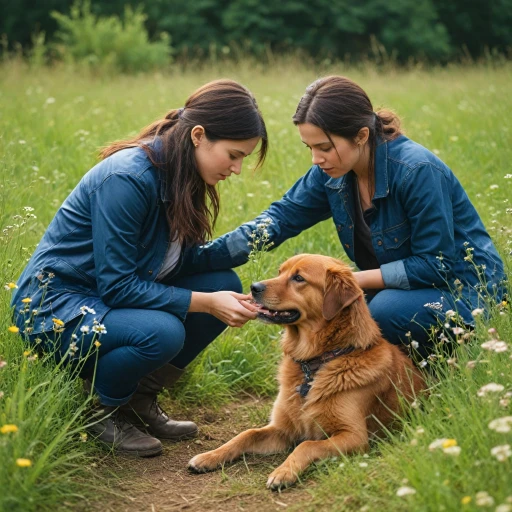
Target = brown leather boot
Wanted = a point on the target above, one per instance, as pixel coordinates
(111, 427)
(143, 409)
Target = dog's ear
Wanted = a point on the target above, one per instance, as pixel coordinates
(339, 293)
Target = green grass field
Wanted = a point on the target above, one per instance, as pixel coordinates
(51, 124)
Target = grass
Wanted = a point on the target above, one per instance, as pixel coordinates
(51, 124)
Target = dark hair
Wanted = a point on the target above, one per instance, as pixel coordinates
(227, 111)
(338, 106)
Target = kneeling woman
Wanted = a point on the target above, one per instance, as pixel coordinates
(108, 268)
(401, 216)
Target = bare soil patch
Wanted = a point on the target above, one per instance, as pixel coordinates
(164, 484)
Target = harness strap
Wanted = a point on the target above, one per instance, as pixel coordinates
(310, 366)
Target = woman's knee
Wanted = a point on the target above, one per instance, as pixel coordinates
(392, 311)
(403, 317)
(163, 338)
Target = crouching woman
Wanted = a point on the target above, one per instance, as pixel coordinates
(106, 275)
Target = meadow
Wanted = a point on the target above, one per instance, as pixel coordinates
(450, 454)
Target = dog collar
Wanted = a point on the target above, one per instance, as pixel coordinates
(310, 366)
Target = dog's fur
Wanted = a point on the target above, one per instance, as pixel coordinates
(352, 396)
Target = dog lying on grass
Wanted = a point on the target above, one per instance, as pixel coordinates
(340, 381)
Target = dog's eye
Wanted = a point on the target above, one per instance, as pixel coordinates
(298, 278)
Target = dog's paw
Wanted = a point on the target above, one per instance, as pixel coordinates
(281, 478)
(204, 462)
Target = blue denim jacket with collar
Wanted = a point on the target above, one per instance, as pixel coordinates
(425, 231)
(103, 249)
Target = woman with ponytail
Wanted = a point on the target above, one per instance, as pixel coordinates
(106, 280)
(423, 255)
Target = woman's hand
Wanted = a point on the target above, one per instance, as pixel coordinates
(234, 309)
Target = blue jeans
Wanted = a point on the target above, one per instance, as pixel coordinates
(138, 341)
(399, 312)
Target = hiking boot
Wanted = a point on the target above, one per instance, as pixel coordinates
(143, 410)
(112, 428)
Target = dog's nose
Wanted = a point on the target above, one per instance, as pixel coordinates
(257, 288)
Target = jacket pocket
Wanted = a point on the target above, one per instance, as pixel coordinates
(395, 237)
(59, 275)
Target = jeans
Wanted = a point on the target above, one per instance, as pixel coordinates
(139, 341)
(399, 312)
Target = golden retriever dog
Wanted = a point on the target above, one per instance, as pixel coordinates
(340, 382)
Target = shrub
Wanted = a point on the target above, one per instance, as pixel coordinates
(111, 42)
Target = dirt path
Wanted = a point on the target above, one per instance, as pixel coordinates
(164, 484)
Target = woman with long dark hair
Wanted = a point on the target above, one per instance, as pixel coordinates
(106, 277)
(423, 254)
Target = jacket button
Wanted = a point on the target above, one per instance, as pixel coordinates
(350, 227)
(396, 239)
(150, 272)
(338, 227)
(379, 242)
(347, 246)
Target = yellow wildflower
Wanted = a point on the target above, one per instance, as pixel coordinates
(8, 428)
(449, 442)
(23, 463)
(26, 353)
(58, 322)
(13, 328)
(466, 500)
(11, 286)
(97, 344)
(26, 300)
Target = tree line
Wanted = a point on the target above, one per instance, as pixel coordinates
(433, 30)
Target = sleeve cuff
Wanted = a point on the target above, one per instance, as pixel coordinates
(179, 303)
(394, 275)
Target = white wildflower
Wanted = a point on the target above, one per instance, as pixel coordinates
(434, 305)
(452, 450)
(99, 328)
(405, 491)
(476, 312)
(492, 387)
(85, 329)
(495, 346)
(438, 443)
(501, 452)
(502, 425)
(483, 499)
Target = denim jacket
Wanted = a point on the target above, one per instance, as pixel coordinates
(103, 249)
(424, 230)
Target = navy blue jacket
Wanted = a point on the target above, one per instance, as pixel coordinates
(103, 249)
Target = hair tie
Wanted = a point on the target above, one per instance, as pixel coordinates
(180, 112)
